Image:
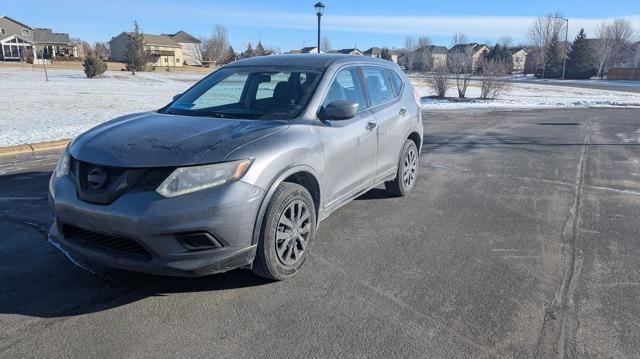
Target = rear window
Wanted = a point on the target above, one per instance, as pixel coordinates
(396, 81)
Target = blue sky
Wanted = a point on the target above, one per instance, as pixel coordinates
(288, 24)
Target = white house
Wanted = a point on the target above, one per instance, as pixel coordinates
(191, 52)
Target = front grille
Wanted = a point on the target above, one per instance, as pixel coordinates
(119, 180)
(120, 245)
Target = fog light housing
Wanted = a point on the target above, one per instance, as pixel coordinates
(197, 241)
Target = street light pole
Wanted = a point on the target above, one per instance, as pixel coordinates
(319, 10)
(566, 41)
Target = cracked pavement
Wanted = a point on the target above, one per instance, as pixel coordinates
(521, 241)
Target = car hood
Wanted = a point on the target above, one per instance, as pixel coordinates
(162, 140)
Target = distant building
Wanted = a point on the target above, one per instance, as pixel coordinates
(475, 50)
(306, 50)
(352, 51)
(55, 44)
(439, 55)
(377, 53)
(191, 52)
(18, 39)
(637, 57)
(163, 50)
(519, 55)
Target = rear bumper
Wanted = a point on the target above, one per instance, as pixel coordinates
(154, 223)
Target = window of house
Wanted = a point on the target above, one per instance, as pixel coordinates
(177, 60)
(2, 31)
(346, 86)
(25, 32)
(378, 85)
(166, 60)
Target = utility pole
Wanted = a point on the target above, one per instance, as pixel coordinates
(566, 41)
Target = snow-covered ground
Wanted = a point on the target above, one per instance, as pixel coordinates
(529, 95)
(34, 110)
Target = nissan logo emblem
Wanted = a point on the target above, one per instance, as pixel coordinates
(97, 178)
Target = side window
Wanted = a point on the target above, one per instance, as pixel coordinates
(346, 86)
(378, 86)
(396, 81)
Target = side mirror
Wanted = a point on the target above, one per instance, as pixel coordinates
(339, 110)
(176, 97)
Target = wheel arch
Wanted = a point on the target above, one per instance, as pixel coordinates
(302, 175)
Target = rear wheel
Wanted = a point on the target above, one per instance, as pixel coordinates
(288, 229)
(407, 173)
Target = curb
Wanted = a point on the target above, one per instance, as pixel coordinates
(33, 147)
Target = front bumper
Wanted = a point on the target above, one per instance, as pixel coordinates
(228, 213)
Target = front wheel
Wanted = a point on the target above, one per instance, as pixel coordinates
(407, 173)
(288, 229)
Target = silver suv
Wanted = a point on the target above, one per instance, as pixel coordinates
(237, 171)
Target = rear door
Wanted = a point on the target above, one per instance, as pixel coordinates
(351, 145)
(388, 113)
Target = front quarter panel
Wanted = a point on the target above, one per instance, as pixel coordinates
(299, 146)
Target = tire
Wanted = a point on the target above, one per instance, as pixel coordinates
(407, 174)
(285, 240)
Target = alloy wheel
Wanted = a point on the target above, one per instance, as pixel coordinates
(292, 234)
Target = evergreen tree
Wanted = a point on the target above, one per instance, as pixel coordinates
(248, 52)
(579, 64)
(137, 57)
(502, 56)
(94, 66)
(385, 54)
(259, 51)
(231, 56)
(554, 59)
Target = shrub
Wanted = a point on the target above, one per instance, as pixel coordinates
(438, 83)
(94, 66)
(492, 82)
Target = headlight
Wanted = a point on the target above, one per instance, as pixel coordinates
(62, 168)
(190, 179)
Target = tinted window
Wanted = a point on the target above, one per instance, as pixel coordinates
(346, 86)
(378, 86)
(396, 81)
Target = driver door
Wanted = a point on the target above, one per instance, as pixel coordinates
(350, 145)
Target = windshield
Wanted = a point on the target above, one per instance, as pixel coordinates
(249, 93)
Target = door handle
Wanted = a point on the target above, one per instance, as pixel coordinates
(403, 111)
(371, 126)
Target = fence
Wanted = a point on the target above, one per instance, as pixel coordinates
(623, 74)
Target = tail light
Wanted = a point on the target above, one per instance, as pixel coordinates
(418, 98)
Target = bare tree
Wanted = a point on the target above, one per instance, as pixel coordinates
(215, 49)
(492, 83)
(505, 41)
(438, 82)
(424, 41)
(460, 62)
(325, 45)
(542, 31)
(611, 38)
(102, 50)
(459, 38)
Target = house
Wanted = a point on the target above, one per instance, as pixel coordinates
(519, 55)
(626, 57)
(306, 50)
(637, 57)
(475, 50)
(439, 56)
(53, 45)
(352, 51)
(191, 52)
(16, 39)
(377, 53)
(162, 50)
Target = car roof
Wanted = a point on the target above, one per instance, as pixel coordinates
(308, 60)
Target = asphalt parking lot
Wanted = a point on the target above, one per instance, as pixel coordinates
(521, 240)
